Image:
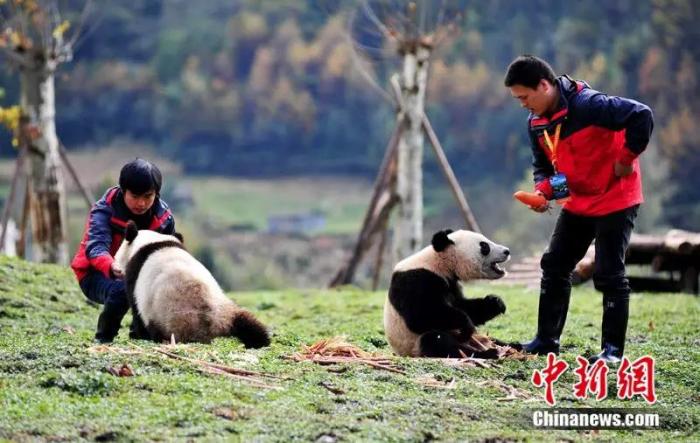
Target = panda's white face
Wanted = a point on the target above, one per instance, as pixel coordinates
(477, 257)
(145, 237)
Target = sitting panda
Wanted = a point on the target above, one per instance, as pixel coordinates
(171, 293)
(425, 314)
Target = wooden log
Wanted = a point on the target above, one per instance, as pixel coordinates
(682, 242)
(652, 284)
(689, 280)
(672, 262)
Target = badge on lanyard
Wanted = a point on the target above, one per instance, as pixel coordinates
(560, 188)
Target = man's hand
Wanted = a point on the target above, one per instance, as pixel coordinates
(116, 271)
(623, 170)
(542, 208)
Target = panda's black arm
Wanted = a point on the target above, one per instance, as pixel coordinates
(481, 310)
(421, 298)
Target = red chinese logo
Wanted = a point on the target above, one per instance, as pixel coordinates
(637, 378)
(549, 375)
(591, 378)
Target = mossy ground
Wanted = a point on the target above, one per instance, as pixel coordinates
(52, 387)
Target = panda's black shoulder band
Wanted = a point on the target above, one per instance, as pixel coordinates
(441, 241)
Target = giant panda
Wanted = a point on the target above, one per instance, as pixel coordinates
(425, 313)
(171, 293)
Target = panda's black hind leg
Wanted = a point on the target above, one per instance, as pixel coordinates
(440, 344)
(138, 329)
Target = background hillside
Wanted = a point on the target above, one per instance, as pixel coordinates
(271, 90)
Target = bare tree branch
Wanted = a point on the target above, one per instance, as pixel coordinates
(357, 62)
(14, 57)
(378, 23)
(87, 9)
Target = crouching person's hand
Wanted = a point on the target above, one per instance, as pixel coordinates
(116, 270)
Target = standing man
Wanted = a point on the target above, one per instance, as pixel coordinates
(585, 144)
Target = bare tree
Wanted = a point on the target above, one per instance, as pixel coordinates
(34, 39)
(412, 31)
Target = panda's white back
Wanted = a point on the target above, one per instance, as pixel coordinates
(173, 284)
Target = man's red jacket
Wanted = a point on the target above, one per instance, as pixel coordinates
(596, 130)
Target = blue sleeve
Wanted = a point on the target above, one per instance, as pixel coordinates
(618, 113)
(542, 167)
(99, 238)
(168, 226)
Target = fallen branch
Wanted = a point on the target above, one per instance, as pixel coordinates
(251, 377)
(240, 374)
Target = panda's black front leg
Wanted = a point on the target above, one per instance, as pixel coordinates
(481, 310)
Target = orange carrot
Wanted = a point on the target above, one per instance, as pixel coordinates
(530, 198)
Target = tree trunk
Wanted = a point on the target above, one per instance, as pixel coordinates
(408, 236)
(47, 210)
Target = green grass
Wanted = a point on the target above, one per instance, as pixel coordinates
(53, 387)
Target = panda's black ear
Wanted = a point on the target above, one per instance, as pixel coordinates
(441, 241)
(131, 231)
(179, 236)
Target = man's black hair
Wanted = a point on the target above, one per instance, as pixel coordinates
(140, 176)
(528, 70)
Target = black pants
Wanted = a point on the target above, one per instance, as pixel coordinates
(568, 244)
(112, 294)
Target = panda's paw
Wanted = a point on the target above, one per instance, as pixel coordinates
(495, 304)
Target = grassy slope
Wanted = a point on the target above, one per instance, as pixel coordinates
(52, 387)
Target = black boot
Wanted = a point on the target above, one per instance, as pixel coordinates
(109, 322)
(615, 315)
(553, 307)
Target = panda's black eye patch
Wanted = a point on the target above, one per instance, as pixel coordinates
(485, 248)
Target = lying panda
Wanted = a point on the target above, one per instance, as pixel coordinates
(171, 293)
(425, 314)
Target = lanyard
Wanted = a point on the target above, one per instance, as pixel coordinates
(553, 145)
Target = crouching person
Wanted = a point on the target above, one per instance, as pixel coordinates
(136, 198)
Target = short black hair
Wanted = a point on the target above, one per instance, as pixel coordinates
(528, 70)
(140, 176)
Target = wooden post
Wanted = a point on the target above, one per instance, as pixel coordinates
(450, 175)
(22, 242)
(380, 259)
(382, 186)
(11, 196)
(87, 196)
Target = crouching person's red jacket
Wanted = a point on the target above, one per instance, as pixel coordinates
(105, 227)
